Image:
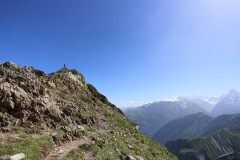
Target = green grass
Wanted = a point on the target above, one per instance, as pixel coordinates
(75, 72)
(114, 143)
(59, 137)
(33, 148)
(38, 72)
(106, 147)
(120, 139)
(75, 154)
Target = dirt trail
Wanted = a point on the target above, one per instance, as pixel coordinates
(3, 136)
(88, 156)
(58, 152)
(61, 151)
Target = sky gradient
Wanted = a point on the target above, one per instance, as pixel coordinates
(132, 51)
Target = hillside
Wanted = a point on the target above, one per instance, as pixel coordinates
(221, 122)
(231, 156)
(152, 117)
(219, 137)
(187, 127)
(210, 147)
(61, 116)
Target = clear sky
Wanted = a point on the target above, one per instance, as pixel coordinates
(131, 50)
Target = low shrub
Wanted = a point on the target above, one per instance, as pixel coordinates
(38, 73)
(75, 72)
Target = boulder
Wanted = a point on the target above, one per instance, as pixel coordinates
(18, 156)
(137, 127)
(130, 146)
(81, 128)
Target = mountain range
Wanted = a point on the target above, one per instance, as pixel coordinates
(151, 117)
(193, 127)
(228, 104)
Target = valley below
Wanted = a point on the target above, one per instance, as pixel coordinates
(193, 128)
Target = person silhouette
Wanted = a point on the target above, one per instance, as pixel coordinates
(64, 66)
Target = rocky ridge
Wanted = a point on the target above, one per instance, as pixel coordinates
(29, 98)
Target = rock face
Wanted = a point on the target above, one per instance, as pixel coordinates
(66, 106)
(28, 98)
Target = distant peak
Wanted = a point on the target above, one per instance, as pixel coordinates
(233, 92)
(173, 99)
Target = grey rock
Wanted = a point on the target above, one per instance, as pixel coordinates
(67, 129)
(54, 134)
(130, 146)
(51, 84)
(139, 158)
(137, 127)
(18, 156)
(117, 150)
(81, 128)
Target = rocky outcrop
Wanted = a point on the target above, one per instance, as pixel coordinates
(28, 97)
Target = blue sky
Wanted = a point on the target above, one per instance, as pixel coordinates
(131, 50)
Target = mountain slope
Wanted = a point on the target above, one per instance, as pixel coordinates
(40, 113)
(221, 122)
(221, 136)
(152, 117)
(231, 156)
(187, 127)
(206, 148)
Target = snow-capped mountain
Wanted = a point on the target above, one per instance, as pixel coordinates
(151, 117)
(205, 102)
(228, 104)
